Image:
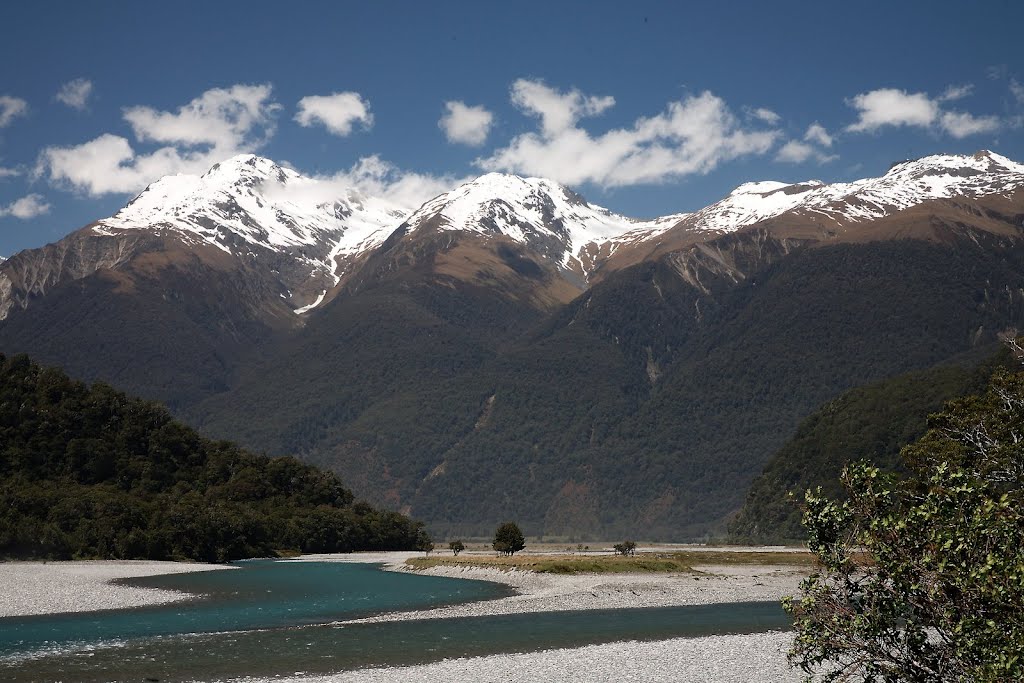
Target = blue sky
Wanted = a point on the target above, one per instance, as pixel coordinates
(647, 108)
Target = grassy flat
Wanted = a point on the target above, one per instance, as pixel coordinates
(641, 563)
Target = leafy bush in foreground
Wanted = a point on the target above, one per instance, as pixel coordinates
(923, 576)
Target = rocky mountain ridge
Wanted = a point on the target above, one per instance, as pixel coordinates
(309, 237)
(511, 351)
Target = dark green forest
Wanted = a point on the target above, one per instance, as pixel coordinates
(871, 423)
(645, 405)
(89, 472)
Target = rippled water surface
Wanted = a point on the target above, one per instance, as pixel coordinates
(271, 618)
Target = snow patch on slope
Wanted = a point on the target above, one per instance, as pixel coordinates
(250, 201)
(907, 184)
(248, 204)
(533, 210)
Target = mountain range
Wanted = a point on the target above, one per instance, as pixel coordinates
(511, 351)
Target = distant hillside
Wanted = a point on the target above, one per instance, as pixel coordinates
(87, 472)
(509, 351)
(867, 423)
(644, 404)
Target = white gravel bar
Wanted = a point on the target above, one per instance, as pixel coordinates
(559, 592)
(756, 658)
(753, 658)
(55, 587)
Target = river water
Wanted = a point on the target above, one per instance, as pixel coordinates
(275, 618)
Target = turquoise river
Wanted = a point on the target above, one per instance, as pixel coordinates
(270, 618)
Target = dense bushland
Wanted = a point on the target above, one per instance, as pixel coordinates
(87, 472)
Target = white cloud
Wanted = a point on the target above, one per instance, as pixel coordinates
(216, 125)
(797, 152)
(1017, 90)
(75, 94)
(219, 117)
(465, 124)
(800, 151)
(962, 124)
(337, 113)
(378, 178)
(766, 115)
(817, 133)
(374, 178)
(27, 207)
(891, 107)
(956, 92)
(557, 111)
(692, 135)
(9, 172)
(10, 108)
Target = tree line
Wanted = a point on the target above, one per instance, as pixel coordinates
(89, 472)
(922, 574)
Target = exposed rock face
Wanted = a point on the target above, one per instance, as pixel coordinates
(33, 273)
(511, 351)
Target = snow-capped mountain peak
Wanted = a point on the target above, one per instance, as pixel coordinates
(247, 168)
(541, 213)
(909, 183)
(751, 203)
(251, 205)
(254, 199)
(906, 184)
(955, 165)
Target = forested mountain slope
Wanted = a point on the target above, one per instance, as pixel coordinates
(88, 472)
(510, 350)
(869, 423)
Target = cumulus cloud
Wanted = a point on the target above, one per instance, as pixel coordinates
(557, 111)
(692, 135)
(378, 178)
(891, 107)
(221, 117)
(465, 124)
(817, 133)
(961, 124)
(27, 207)
(218, 124)
(766, 115)
(956, 92)
(11, 108)
(338, 113)
(795, 152)
(809, 148)
(798, 152)
(75, 94)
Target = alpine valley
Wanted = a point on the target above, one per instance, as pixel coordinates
(510, 351)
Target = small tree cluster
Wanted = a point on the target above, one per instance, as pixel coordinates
(626, 548)
(456, 547)
(508, 539)
(425, 544)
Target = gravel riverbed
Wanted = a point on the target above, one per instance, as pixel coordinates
(756, 658)
(43, 588)
(753, 658)
(558, 592)
(53, 587)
